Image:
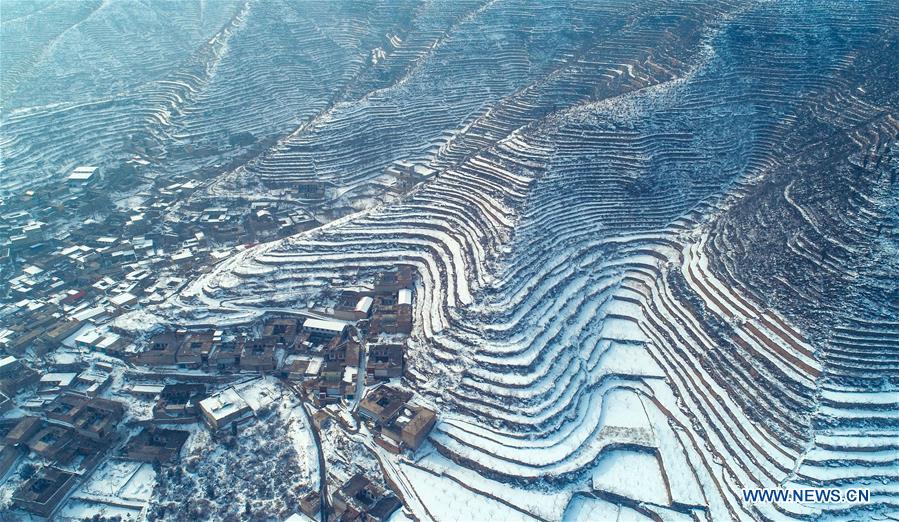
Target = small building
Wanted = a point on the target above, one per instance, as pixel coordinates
(352, 306)
(82, 176)
(15, 381)
(360, 498)
(404, 297)
(9, 365)
(93, 418)
(296, 370)
(42, 493)
(145, 391)
(321, 419)
(310, 189)
(411, 426)
(390, 316)
(382, 404)
(179, 402)
(258, 355)
(225, 356)
(161, 351)
(9, 455)
(92, 383)
(224, 408)
(283, 331)
(385, 361)
(22, 432)
(323, 330)
(194, 351)
(51, 382)
(156, 445)
(6, 403)
(363, 306)
(123, 300)
(51, 440)
(310, 504)
(393, 280)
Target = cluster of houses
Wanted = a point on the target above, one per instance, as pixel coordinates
(67, 423)
(400, 423)
(71, 436)
(70, 276)
(361, 499)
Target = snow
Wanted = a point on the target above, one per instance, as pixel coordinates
(59, 379)
(447, 500)
(258, 393)
(82, 174)
(147, 388)
(324, 324)
(584, 508)
(110, 478)
(117, 487)
(123, 299)
(631, 474)
(89, 313)
(223, 404)
(298, 517)
(140, 485)
(545, 504)
(364, 304)
(78, 510)
(622, 330)
(622, 408)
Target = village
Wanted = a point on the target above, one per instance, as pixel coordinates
(93, 415)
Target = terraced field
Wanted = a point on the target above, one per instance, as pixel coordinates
(657, 262)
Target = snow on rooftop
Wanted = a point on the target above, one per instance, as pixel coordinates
(223, 404)
(89, 313)
(182, 255)
(82, 173)
(147, 388)
(315, 366)
(364, 304)
(349, 374)
(123, 299)
(61, 379)
(89, 337)
(32, 270)
(324, 324)
(108, 340)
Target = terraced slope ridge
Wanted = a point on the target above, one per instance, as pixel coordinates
(663, 271)
(656, 254)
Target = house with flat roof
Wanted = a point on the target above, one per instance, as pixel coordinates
(323, 330)
(83, 176)
(224, 408)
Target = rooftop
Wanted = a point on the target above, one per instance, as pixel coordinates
(324, 324)
(223, 404)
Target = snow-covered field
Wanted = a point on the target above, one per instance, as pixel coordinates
(569, 320)
(654, 249)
